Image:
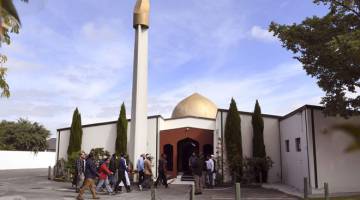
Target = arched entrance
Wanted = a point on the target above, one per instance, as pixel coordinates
(178, 144)
(185, 148)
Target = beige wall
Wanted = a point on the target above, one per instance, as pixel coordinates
(295, 164)
(338, 168)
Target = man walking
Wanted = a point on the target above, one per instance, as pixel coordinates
(209, 171)
(79, 171)
(121, 175)
(112, 167)
(90, 175)
(162, 171)
(140, 169)
(197, 172)
(147, 171)
(214, 171)
(104, 172)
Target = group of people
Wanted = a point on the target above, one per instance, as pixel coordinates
(145, 172)
(113, 173)
(87, 171)
(203, 169)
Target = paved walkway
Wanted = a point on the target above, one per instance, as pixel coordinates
(33, 184)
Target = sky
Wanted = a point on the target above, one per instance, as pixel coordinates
(79, 53)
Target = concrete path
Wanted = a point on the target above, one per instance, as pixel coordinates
(33, 184)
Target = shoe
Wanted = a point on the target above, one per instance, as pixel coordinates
(79, 198)
(96, 198)
(197, 193)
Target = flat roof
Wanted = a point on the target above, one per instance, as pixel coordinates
(221, 110)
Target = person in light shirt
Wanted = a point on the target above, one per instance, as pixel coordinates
(209, 171)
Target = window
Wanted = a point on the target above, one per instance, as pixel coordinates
(287, 145)
(298, 144)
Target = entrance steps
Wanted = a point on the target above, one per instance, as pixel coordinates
(187, 178)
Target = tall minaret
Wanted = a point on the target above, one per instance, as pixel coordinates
(138, 129)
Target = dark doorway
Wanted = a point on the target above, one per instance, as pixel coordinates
(168, 151)
(208, 149)
(185, 148)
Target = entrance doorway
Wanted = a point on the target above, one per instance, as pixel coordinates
(185, 148)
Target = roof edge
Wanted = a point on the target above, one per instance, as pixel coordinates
(105, 123)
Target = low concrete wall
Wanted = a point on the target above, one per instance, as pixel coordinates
(26, 160)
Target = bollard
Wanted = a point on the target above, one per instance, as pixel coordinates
(326, 190)
(192, 192)
(49, 173)
(305, 188)
(237, 191)
(153, 193)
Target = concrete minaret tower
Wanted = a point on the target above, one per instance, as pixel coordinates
(138, 129)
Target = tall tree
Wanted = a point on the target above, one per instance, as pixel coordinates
(258, 139)
(121, 132)
(75, 133)
(329, 49)
(233, 141)
(23, 135)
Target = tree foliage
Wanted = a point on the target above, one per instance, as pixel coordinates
(23, 135)
(258, 132)
(75, 134)
(329, 49)
(233, 141)
(259, 151)
(121, 132)
(5, 90)
(9, 23)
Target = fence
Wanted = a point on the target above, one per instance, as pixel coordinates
(26, 160)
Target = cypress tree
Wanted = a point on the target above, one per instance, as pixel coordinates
(258, 132)
(75, 133)
(258, 139)
(233, 141)
(121, 132)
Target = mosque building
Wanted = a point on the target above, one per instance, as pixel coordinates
(296, 143)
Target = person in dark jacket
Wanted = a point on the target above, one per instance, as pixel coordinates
(112, 167)
(162, 171)
(90, 175)
(197, 169)
(121, 175)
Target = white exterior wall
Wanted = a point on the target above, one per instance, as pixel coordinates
(188, 122)
(104, 136)
(294, 164)
(99, 137)
(271, 140)
(338, 168)
(62, 144)
(26, 160)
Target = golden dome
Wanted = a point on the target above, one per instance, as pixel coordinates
(195, 105)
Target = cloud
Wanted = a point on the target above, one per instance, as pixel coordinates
(261, 34)
(269, 87)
